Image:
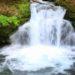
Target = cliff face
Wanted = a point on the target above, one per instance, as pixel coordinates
(69, 5)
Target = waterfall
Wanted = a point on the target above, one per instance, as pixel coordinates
(46, 40)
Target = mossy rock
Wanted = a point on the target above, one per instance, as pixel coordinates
(12, 8)
(69, 5)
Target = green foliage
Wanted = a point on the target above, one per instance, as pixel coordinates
(21, 9)
(12, 14)
(14, 20)
(5, 21)
(7, 26)
(24, 11)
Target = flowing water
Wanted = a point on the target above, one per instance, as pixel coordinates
(45, 45)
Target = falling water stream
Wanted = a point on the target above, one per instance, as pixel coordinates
(45, 45)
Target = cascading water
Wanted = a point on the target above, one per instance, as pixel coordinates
(47, 40)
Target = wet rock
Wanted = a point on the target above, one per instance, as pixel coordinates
(70, 39)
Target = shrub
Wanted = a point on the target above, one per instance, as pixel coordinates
(5, 21)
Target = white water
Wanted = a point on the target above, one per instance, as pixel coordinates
(42, 42)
